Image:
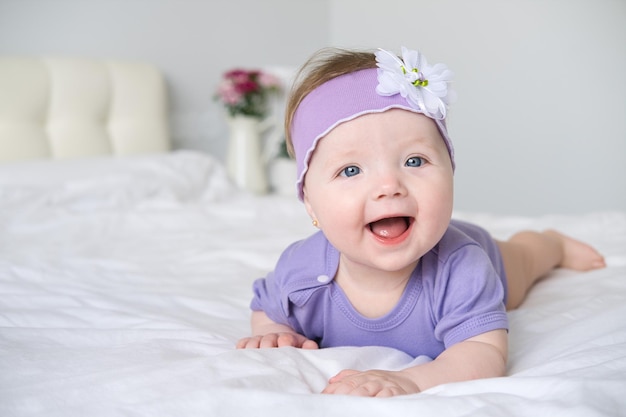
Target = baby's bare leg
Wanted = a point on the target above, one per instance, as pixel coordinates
(529, 256)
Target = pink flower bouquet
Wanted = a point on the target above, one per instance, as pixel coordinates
(245, 92)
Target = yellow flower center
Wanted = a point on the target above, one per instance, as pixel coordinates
(419, 79)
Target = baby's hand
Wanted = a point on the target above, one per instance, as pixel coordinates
(373, 383)
(273, 340)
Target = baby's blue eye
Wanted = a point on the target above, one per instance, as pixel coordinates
(415, 161)
(350, 171)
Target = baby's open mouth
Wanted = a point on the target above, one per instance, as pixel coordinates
(391, 227)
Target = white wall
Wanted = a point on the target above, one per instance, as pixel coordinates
(191, 41)
(540, 123)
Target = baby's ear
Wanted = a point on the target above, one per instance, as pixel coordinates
(307, 204)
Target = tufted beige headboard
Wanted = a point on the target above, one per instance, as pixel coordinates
(67, 108)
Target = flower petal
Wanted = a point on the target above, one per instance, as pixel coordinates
(426, 88)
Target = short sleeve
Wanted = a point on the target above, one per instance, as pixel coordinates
(469, 297)
(266, 298)
(295, 279)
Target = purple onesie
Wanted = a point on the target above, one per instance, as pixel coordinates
(455, 292)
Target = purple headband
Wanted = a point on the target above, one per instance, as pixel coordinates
(395, 84)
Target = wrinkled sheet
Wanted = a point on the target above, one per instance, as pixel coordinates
(125, 282)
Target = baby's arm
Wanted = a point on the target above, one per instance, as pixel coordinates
(269, 334)
(482, 356)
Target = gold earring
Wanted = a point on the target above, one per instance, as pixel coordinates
(315, 223)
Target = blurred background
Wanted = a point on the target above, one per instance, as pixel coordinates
(539, 126)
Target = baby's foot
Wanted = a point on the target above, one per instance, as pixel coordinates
(577, 255)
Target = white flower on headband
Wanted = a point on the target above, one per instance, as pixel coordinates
(425, 87)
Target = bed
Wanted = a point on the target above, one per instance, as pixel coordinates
(125, 281)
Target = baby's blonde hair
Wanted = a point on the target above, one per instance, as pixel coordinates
(323, 66)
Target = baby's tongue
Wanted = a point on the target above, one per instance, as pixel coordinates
(389, 228)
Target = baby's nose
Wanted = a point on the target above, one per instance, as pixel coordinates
(389, 185)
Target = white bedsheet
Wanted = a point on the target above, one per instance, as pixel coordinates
(124, 284)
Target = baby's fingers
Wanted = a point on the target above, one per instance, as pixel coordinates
(372, 383)
(295, 340)
(274, 340)
(257, 342)
(341, 375)
(249, 343)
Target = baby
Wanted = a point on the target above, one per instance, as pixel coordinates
(389, 267)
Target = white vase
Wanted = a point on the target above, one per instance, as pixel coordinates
(244, 161)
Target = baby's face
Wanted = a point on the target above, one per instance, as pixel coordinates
(381, 188)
